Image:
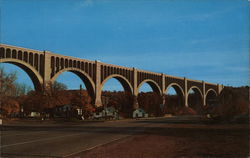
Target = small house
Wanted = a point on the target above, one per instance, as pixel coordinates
(109, 112)
(139, 113)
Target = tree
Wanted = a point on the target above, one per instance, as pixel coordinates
(34, 101)
(233, 101)
(150, 102)
(7, 89)
(22, 89)
(7, 83)
(54, 94)
(9, 106)
(57, 87)
(45, 101)
(83, 101)
(121, 101)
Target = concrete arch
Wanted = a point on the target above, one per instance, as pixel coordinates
(155, 87)
(124, 82)
(196, 89)
(176, 87)
(197, 106)
(31, 71)
(209, 90)
(206, 102)
(179, 101)
(82, 75)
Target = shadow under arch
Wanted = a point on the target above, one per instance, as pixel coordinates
(211, 91)
(179, 91)
(83, 76)
(195, 100)
(173, 102)
(211, 97)
(150, 101)
(31, 71)
(196, 90)
(124, 103)
(155, 87)
(124, 82)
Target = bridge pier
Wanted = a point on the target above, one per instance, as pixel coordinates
(135, 90)
(98, 100)
(185, 92)
(46, 69)
(203, 94)
(98, 88)
(162, 106)
(163, 99)
(135, 102)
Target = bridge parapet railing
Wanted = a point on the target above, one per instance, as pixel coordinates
(199, 81)
(212, 84)
(149, 72)
(174, 77)
(116, 66)
(69, 57)
(5, 46)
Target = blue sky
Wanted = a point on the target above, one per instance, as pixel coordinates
(204, 40)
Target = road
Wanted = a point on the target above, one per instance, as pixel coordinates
(65, 139)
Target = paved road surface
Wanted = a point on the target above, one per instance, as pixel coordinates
(65, 140)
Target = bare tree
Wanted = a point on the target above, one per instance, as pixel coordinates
(7, 90)
(7, 80)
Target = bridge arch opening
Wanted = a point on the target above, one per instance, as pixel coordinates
(78, 96)
(76, 80)
(174, 99)
(153, 85)
(149, 98)
(121, 80)
(116, 96)
(25, 70)
(195, 100)
(211, 100)
(23, 82)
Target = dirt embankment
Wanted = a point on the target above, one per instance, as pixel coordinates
(179, 141)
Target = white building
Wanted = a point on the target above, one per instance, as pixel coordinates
(139, 113)
(109, 112)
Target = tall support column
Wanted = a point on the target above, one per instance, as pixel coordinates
(219, 88)
(163, 92)
(185, 92)
(135, 90)
(135, 102)
(98, 90)
(46, 69)
(204, 93)
(162, 106)
(163, 84)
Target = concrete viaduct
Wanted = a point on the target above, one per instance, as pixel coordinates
(44, 67)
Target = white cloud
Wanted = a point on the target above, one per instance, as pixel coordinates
(204, 16)
(85, 3)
